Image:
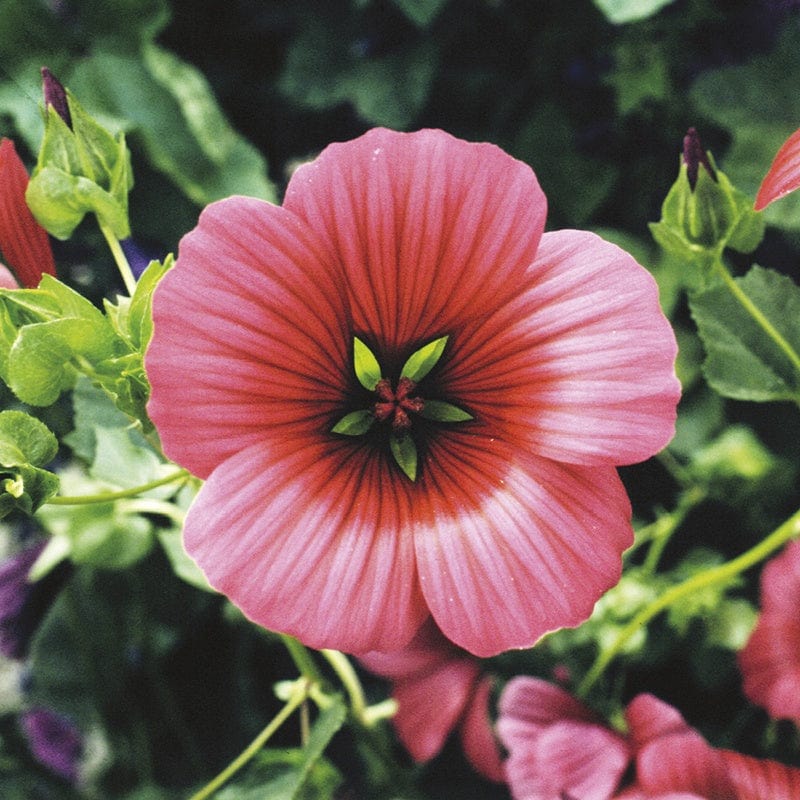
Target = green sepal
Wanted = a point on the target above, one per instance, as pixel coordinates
(356, 423)
(440, 411)
(422, 361)
(26, 445)
(698, 223)
(366, 366)
(80, 170)
(405, 454)
(140, 317)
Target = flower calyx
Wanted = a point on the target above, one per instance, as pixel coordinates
(396, 404)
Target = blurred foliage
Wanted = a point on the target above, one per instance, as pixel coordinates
(228, 96)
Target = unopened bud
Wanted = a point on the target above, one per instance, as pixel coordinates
(55, 95)
(694, 156)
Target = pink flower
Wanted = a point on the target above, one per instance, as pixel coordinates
(439, 688)
(559, 749)
(770, 661)
(24, 243)
(784, 174)
(548, 354)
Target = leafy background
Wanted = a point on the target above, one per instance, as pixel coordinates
(227, 97)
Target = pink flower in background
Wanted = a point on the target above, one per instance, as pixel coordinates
(559, 749)
(484, 491)
(784, 174)
(770, 661)
(24, 244)
(439, 688)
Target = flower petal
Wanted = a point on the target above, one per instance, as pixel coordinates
(477, 737)
(23, 241)
(430, 706)
(510, 546)
(568, 759)
(307, 539)
(783, 176)
(756, 779)
(250, 336)
(650, 718)
(429, 230)
(580, 365)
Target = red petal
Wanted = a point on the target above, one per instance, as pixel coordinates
(754, 779)
(430, 706)
(250, 336)
(784, 174)
(580, 365)
(23, 242)
(477, 737)
(510, 546)
(429, 231)
(650, 718)
(310, 539)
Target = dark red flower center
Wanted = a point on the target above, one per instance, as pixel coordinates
(395, 405)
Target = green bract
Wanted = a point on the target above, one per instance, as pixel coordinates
(79, 170)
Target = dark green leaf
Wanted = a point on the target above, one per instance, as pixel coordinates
(421, 362)
(742, 360)
(182, 563)
(356, 423)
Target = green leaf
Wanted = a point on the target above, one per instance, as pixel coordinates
(323, 70)
(421, 12)
(758, 104)
(120, 462)
(405, 454)
(140, 315)
(421, 362)
(93, 409)
(25, 440)
(356, 423)
(182, 563)
(39, 367)
(742, 360)
(619, 12)
(295, 774)
(168, 108)
(441, 411)
(26, 488)
(367, 368)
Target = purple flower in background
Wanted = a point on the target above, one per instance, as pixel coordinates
(23, 604)
(54, 740)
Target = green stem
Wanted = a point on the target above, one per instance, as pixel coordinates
(721, 574)
(302, 659)
(662, 534)
(296, 699)
(119, 257)
(350, 680)
(756, 313)
(109, 497)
